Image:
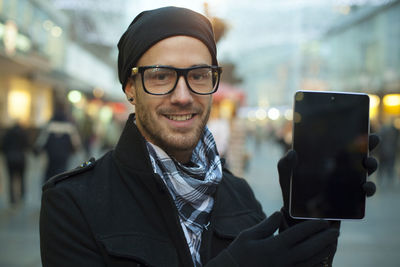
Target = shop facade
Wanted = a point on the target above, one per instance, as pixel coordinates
(41, 63)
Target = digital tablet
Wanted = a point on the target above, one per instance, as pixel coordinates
(330, 137)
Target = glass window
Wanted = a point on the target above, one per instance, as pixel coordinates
(26, 9)
(12, 9)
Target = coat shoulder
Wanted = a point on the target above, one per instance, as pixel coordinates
(81, 169)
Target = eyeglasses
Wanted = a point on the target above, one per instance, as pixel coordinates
(162, 80)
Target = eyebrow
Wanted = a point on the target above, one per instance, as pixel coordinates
(194, 65)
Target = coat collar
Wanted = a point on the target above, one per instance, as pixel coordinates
(131, 148)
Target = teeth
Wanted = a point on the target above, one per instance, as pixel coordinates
(179, 117)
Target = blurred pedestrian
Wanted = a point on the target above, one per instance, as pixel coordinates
(388, 151)
(59, 139)
(15, 145)
(111, 134)
(220, 129)
(86, 130)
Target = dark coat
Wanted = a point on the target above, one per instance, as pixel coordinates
(117, 212)
(15, 144)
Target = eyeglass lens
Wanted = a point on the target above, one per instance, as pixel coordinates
(161, 80)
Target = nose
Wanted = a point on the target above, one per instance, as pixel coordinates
(182, 94)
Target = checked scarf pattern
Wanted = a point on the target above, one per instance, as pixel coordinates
(191, 186)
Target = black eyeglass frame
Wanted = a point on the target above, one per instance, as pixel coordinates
(180, 72)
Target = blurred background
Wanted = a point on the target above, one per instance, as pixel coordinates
(59, 92)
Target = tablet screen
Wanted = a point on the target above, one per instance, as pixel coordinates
(330, 136)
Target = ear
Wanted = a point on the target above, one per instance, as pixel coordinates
(130, 91)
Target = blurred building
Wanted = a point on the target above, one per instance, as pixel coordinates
(49, 49)
(361, 53)
(280, 47)
(283, 46)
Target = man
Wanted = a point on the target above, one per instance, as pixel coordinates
(15, 144)
(59, 140)
(162, 197)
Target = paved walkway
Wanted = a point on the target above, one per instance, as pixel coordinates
(19, 225)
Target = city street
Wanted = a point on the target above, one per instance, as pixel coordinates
(69, 72)
(371, 242)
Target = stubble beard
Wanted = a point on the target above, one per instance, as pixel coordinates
(169, 141)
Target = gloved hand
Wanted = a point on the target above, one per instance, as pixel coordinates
(305, 244)
(287, 163)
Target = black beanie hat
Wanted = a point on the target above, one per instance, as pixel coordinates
(150, 27)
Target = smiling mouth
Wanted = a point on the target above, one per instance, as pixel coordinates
(180, 117)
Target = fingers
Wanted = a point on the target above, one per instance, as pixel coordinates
(301, 231)
(285, 167)
(373, 141)
(323, 257)
(315, 245)
(371, 164)
(335, 224)
(287, 163)
(265, 228)
(369, 188)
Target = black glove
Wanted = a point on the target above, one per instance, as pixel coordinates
(305, 244)
(287, 163)
(371, 164)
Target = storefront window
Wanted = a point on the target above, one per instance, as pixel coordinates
(55, 46)
(19, 104)
(391, 104)
(26, 9)
(11, 10)
(38, 33)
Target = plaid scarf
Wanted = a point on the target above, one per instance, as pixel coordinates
(191, 186)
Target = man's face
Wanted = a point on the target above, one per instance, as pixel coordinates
(175, 121)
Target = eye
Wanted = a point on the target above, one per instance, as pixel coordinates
(199, 74)
(159, 74)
